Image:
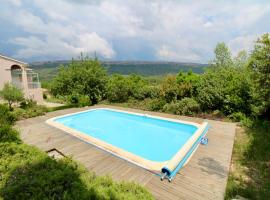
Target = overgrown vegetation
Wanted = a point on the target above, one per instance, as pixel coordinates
(250, 169)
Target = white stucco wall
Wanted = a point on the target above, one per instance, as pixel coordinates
(5, 74)
(5, 77)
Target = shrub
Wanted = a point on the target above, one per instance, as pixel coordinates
(136, 86)
(28, 103)
(118, 89)
(152, 92)
(187, 83)
(237, 117)
(169, 88)
(170, 107)
(8, 134)
(30, 112)
(79, 100)
(6, 117)
(156, 104)
(225, 89)
(186, 106)
(27, 173)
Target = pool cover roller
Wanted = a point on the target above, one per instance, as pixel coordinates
(182, 157)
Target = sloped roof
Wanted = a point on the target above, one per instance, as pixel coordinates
(11, 59)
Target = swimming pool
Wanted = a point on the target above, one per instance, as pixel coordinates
(155, 143)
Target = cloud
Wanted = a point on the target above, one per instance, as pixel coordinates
(118, 29)
(53, 39)
(242, 43)
(15, 2)
(57, 49)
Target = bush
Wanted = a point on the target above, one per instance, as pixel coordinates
(30, 112)
(136, 86)
(225, 89)
(152, 92)
(27, 173)
(8, 134)
(169, 88)
(237, 117)
(79, 100)
(156, 104)
(118, 88)
(170, 107)
(28, 103)
(186, 106)
(6, 117)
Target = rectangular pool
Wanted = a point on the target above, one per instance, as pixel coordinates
(148, 141)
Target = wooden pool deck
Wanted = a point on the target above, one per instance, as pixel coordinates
(204, 177)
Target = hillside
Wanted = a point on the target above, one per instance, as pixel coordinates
(47, 70)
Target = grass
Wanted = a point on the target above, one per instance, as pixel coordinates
(28, 173)
(250, 170)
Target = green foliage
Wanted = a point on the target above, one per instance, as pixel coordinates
(137, 86)
(187, 83)
(260, 66)
(79, 100)
(118, 88)
(186, 106)
(169, 88)
(8, 134)
(226, 89)
(28, 103)
(33, 111)
(11, 94)
(152, 92)
(222, 56)
(27, 173)
(6, 117)
(121, 88)
(155, 104)
(84, 77)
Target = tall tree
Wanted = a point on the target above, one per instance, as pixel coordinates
(84, 77)
(260, 66)
(223, 56)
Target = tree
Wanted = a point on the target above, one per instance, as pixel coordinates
(83, 77)
(222, 56)
(187, 83)
(241, 59)
(260, 66)
(118, 88)
(11, 94)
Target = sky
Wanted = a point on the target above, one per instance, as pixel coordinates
(149, 30)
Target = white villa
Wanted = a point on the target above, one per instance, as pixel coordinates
(17, 73)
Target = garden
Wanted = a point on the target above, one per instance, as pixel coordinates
(231, 88)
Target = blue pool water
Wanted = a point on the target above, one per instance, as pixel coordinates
(153, 139)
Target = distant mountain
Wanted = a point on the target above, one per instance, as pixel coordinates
(47, 70)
